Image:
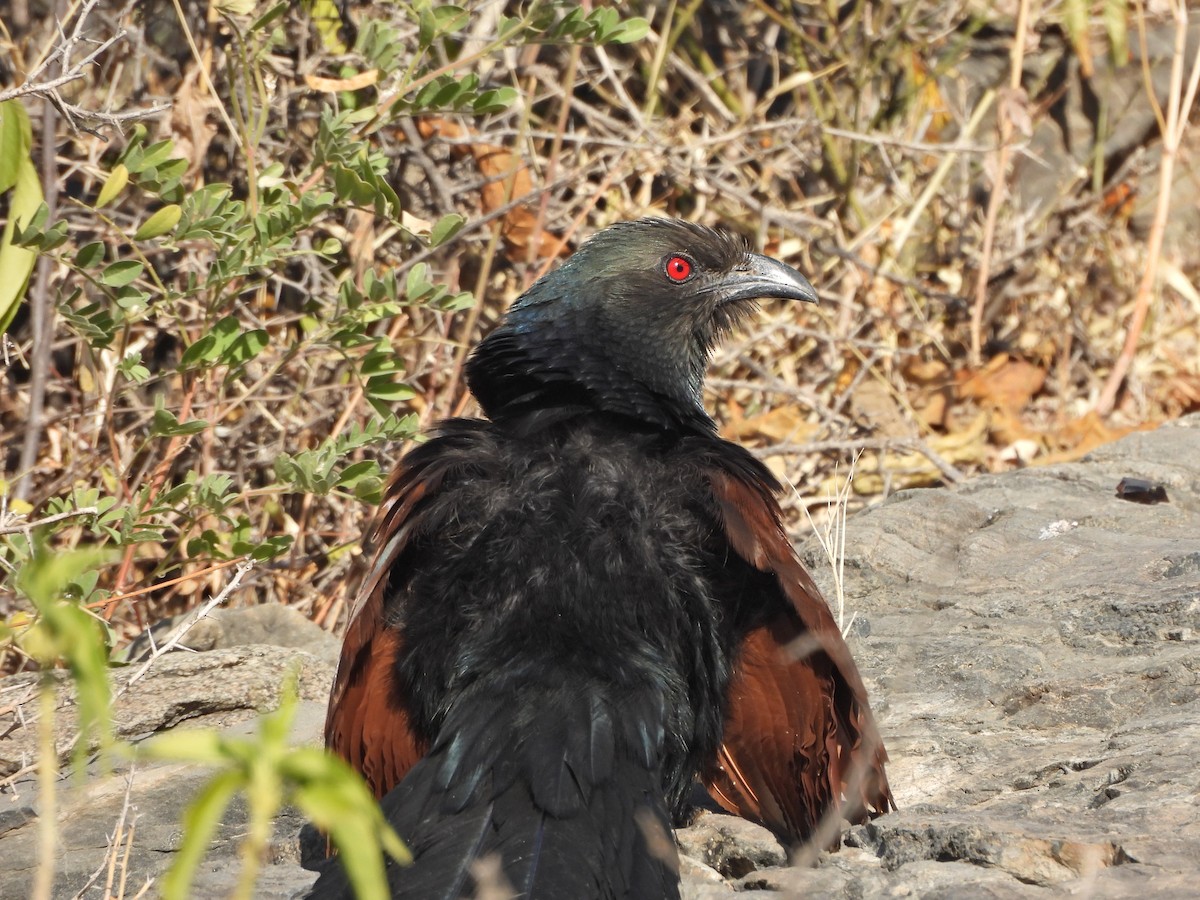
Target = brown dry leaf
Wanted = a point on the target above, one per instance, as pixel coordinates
(926, 371)
(777, 466)
(1184, 390)
(967, 444)
(1119, 201)
(929, 97)
(874, 403)
(353, 83)
(1069, 442)
(508, 180)
(1005, 383)
(931, 410)
(931, 399)
(1006, 428)
(1081, 436)
(188, 124)
(784, 423)
(898, 470)
(846, 376)
(361, 246)
(732, 415)
(1015, 106)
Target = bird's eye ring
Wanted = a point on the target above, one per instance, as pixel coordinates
(679, 269)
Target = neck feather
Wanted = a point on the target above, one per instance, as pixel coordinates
(534, 378)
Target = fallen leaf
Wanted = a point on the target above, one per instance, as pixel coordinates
(1079, 437)
(507, 181)
(1005, 383)
(333, 85)
(784, 423)
(188, 124)
(874, 403)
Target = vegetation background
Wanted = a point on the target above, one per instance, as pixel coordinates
(248, 246)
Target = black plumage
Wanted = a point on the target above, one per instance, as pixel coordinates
(573, 603)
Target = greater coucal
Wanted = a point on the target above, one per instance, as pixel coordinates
(581, 603)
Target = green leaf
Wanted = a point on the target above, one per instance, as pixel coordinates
(132, 300)
(121, 273)
(67, 632)
(157, 155)
(89, 255)
(17, 172)
(494, 101)
(16, 140)
(355, 471)
(426, 28)
(113, 185)
(165, 424)
(245, 347)
(160, 223)
(417, 285)
(203, 350)
(328, 22)
(449, 19)
(1115, 23)
(381, 361)
(309, 470)
(455, 302)
(604, 21)
(222, 336)
(131, 367)
(271, 15)
(29, 233)
(629, 31)
(445, 228)
(173, 496)
(382, 387)
(199, 824)
(337, 800)
(201, 745)
(270, 548)
(448, 94)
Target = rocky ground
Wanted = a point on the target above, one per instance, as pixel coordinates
(1030, 640)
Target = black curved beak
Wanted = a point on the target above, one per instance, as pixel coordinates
(763, 278)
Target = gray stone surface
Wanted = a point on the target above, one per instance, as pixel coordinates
(1031, 645)
(1033, 653)
(223, 688)
(731, 846)
(271, 623)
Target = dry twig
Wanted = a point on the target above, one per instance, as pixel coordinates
(1179, 105)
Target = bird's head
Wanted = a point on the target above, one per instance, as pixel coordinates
(627, 325)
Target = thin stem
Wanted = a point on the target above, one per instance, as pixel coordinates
(42, 308)
(999, 181)
(47, 777)
(1179, 105)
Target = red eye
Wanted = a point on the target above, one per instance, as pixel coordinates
(679, 268)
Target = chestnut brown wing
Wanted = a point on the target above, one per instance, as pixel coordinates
(368, 723)
(800, 744)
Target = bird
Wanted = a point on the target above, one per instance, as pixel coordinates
(584, 601)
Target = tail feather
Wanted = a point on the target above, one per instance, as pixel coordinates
(557, 787)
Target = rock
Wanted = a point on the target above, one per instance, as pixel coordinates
(223, 688)
(1029, 641)
(1041, 712)
(911, 836)
(730, 845)
(149, 800)
(271, 623)
(693, 890)
(216, 688)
